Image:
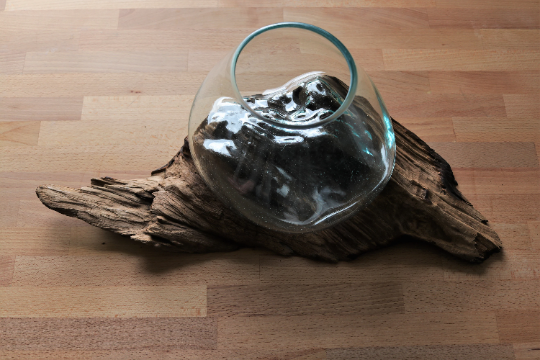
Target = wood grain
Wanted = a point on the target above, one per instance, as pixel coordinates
(40, 39)
(106, 133)
(526, 350)
(80, 84)
(15, 133)
(103, 301)
(487, 4)
(183, 351)
(439, 129)
(443, 352)
(509, 208)
(480, 155)
(483, 18)
(514, 236)
(11, 61)
(119, 109)
(133, 270)
(462, 75)
(6, 269)
(40, 108)
(161, 40)
(485, 82)
(510, 38)
(77, 4)
(34, 241)
(427, 38)
(17, 5)
(534, 230)
(58, 20)
(461, 60)
(9, 212)
(386, 265)
(499, 180)
(519, 326)
(496, 129)
(352, 20)
(431, 105)
(26, 181)
(522, 106)
(395, 82)
(82, 158)
(336, 299)
(102, 334)
(488, 295)
(104, 62)
(176, 19)
(348, 331)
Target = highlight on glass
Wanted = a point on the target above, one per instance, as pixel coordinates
(289, 132)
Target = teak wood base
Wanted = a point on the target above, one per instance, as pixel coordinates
(175, 210)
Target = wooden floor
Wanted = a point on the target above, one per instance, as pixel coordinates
(103, 87)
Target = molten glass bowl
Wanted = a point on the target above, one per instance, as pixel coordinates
(287, 131)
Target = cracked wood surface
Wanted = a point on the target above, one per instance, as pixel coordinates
(175, 210)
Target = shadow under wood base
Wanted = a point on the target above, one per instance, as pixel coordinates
(175, 210)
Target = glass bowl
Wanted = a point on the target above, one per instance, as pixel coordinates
(287, 131)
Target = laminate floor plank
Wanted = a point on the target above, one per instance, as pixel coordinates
(89, 84)
(431, 105)
(59, 20)
(498, 180)
(534, 231)
(169, 353)
(497, 129)
(11, 61)
(439, 352)
(461, 60)
(485, 82)
(514, 236)
(86, 334)
(46, 39)
(480, 295)
(346, 331)
(105, 62)
(284, 300)
(34, 241)
(7, 263)
(341, 21)
(386, 265)
(487, 18)
(17, 133)
(431, 129)
(103, 301)
(105, 267)
(176, 19)
(481, 155)
(123, 109)
(487, 4)
(519, 326)
(87, 158)
(99, 133)
(510, 38)
(18, 5)
(511, 209)
(526, 351)
(40, 108)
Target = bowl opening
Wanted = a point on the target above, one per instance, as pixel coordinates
(279, 58)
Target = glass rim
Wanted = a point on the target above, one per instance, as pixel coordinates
(335, 41)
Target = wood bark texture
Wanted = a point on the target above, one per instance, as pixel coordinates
(175, 210)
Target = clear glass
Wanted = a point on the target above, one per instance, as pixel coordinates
(287, 131)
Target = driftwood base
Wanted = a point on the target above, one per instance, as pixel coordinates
(174, 209)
